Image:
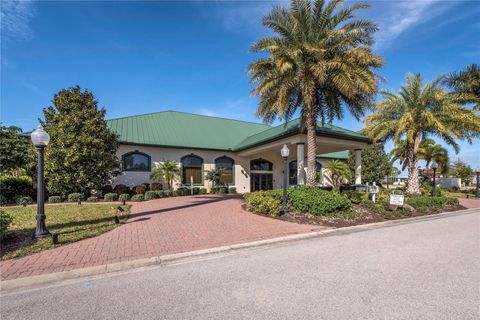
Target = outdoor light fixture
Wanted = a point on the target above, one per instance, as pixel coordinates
(40, 139)
(284, 152)
(434, 166)
(477, 171)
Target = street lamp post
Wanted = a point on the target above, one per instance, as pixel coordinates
(477, 171)
(40, 139)
(284, 152)
(434, 166)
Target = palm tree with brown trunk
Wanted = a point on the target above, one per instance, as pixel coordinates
(318, 61)
(417, 112)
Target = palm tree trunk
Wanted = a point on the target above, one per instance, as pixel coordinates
(413, 185)
(311, 149)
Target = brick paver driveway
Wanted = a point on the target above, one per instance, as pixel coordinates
(470, 203)
(155, 228)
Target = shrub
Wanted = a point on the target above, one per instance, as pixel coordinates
(55, 199)
(232, 190)
(23, 201)
(355, 196)
(263, 202)
(74, 197)
(202, 191)
(159, 194)
(220, 190)
(168, 193)
(318, 202)
(183, 191)
(124, 197)
(11, 187)
(155, 186)
(5, 221)
(140, 189)
(92, 199)
(121, 189)
(111, 197)
(107, 189)
(138, 197)
(149, 195)
(425, 203)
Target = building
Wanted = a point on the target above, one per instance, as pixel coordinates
(248, 152)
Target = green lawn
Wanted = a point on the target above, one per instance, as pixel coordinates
(72, 222)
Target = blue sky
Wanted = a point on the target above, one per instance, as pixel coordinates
(140, 57)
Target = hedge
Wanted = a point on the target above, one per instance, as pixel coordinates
(124, 197)
(92, 199)
(5, 221)
(23, 201)
(74, 197)
(149, 195)
(55, 199)
(12, 187)
(110, 197)
(425, 203)
(138, 197)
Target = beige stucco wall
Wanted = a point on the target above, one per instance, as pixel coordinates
(242, 164)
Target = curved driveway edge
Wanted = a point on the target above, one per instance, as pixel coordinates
(158, 228)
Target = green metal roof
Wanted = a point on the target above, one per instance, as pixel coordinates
(343, 155)
(179, 129)
(293, 127)
(186, 130)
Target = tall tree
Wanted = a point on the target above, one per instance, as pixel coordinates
(416, 112)
(466, 84)
(318, 60)
(375, 163)
(14, 150)
(338, 172)
(460, 169)
(167, 171)
(81, 155)
(428, 151)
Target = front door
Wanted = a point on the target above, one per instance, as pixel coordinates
(261, 181)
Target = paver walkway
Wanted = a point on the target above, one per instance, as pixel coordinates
(469, 203)
(155, 228)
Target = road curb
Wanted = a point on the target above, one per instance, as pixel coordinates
(185, 256)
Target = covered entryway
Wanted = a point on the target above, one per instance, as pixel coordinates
(261, 175)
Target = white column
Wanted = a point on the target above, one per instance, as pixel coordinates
(358, 166)
(300, 163)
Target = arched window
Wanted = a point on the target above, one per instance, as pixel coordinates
(292, 172)
(136, 161)
(192, 166)
(261, 165)
(227, 164)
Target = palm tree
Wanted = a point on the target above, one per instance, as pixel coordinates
(318, 60)
(166, 171)
(339, 172)
(417, 112)
(466, 84)
(428, 151)
(214, 175)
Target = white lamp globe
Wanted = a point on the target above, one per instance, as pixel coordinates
(434, 165)
(40, 137)
(285, 151)
(477, 170)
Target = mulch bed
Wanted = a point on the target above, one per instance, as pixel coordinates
(361, 215)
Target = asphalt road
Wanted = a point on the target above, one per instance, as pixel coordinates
(421, 270)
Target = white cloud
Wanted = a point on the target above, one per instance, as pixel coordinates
(15, 17)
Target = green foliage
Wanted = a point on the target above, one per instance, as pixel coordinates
(107, 189)
(5, 221)
(81, 155)
(121, 189)
(155, 186)
(262, 202)
(183, 191)
(232, 190)
(140, 189)
(124, 197)
(375, 163)
(317, 60)
(428, 151)
(460, 169)
(92, 199)
(74, 197)
(14, 149)
(339, 171)
(111, 196)
(466, 84)
(138, 197)
(149, 195)
(319, 202)
(167, 171)
(23, 201)
(214, 176)
(220, 190)
(55, 199)
(427, 203)
(417, 112)
(12, 187)
(355, 196)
